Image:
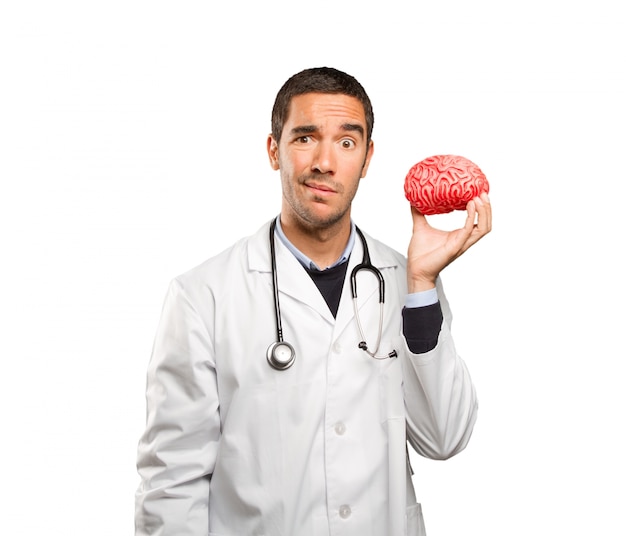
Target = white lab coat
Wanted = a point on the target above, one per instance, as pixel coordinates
(234, 447)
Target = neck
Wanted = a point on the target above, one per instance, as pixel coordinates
(322, 245)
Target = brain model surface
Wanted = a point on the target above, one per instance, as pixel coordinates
(443, 183)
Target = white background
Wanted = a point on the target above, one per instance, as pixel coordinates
(132, 147)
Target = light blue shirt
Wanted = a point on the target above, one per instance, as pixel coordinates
(415, 299)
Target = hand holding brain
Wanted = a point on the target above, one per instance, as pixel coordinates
(443, 183)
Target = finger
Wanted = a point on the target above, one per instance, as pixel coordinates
(487, 202)
(419, 220)
(479, 211)
(462, 238)
(483, 206)
(472, 209)
(473, 230)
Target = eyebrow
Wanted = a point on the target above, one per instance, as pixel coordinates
(353, 127)
(304, 129)
(309, 129)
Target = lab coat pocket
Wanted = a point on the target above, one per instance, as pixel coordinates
(391, 395)
(415, 521)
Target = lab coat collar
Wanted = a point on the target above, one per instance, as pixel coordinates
(304, 260)
(296, 283)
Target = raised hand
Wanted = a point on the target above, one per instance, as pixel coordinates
(431, 250)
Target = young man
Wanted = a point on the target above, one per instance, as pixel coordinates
(277, 403)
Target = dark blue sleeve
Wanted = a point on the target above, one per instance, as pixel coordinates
(421, 327)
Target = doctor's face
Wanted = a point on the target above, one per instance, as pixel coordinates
(322, 155)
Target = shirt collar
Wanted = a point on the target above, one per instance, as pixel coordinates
(304, 260)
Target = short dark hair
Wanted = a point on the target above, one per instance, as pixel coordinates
(319, 80)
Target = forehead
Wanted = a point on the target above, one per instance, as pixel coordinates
(317, 108)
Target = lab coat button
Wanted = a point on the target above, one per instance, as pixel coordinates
(344, 511)
(337, 348)
(340, 428)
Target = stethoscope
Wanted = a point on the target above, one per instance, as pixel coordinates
(281, 355)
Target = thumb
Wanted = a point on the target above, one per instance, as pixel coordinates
(419, 220)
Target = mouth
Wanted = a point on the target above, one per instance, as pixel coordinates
(320, 188)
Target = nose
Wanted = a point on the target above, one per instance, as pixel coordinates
(324, 160)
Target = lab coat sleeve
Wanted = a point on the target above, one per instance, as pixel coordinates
(177, 451)
(440, 398)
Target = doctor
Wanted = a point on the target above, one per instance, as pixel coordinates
(235, 446)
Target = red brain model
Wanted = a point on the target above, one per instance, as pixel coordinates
(443, 183)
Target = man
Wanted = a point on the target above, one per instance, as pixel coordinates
(245, 440)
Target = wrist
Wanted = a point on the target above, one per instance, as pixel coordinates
(421, 284)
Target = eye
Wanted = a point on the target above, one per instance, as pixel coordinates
(303, 139)
(348, 143)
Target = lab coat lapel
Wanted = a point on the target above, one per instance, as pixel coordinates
(293, 280)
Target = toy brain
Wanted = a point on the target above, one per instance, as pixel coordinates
(443, 183)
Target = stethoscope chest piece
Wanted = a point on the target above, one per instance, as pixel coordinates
(281, 355)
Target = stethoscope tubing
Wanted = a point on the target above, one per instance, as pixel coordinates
(280, 354)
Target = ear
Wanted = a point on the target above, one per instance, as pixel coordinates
(368, 157)
(272, 152)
